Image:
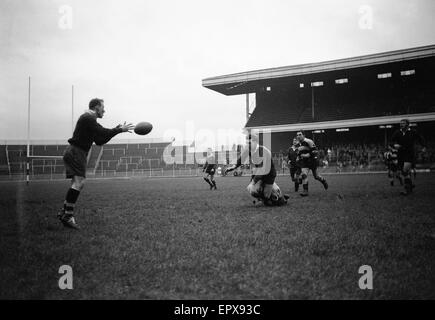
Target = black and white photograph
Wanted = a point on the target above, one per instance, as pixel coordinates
(217, 154)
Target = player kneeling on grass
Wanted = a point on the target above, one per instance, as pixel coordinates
(262, 186)
(210, 169)
(307, 160)
(86, 132)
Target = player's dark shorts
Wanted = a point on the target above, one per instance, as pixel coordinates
(210, 170)
(393, 166)
(294, 170)
(268, 178)
(309, 163)
(406, 156)
(75, 160)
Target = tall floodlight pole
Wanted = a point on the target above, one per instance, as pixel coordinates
(312, 101)
(385, 137)
(28, 137)
(247, 107)
(72, 109)
(312, 106)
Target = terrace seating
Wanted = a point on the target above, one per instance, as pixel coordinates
(135, 152)
(107, 165)
(18, 167)
(4, 168)
(17, 155)
(150, 164)
(132, 157)
(122, 167)
(59, 169)
(132, 166)
(36, 170)
(128, 160)
(17, 148)
(359, 98)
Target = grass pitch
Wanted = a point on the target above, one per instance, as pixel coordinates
(176, 239)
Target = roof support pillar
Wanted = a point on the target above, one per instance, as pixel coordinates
(312, 102)
(247, 107)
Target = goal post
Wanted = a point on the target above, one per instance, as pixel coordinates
(30, 157)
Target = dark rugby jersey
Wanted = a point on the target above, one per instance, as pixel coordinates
(307, 146)
(210, 162)
(292, 155)
(88, 131)
(407, 140)
(391, 156)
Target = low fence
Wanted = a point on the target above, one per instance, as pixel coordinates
(146, 173)
(174, 173)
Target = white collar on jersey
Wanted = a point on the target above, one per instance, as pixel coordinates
(408, 129)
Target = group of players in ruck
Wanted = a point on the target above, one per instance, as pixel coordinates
(302, 157)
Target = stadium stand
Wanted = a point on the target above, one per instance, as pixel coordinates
(131, 157)
(147, 159)
(349, 107)
(360, 98)
(114, 157)
(108, 160)
(4, 163)
(344, 102)
(16, 155)
(360, 157)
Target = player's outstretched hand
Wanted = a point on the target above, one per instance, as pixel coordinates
(126, 127)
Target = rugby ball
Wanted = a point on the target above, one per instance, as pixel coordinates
(143, 128)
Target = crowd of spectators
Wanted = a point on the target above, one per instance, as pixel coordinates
(358, 156)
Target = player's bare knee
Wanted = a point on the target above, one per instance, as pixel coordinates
(250, 187)
(254, 189)
(78, 183)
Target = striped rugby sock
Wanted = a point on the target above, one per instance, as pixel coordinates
(70, 200)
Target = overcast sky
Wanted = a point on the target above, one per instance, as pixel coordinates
(146, 59)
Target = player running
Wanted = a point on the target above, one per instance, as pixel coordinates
(307, 160)
(404, 141)
(210, 169)
(86, 132)
(392, 162)
(295, 169)
(262, 185)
